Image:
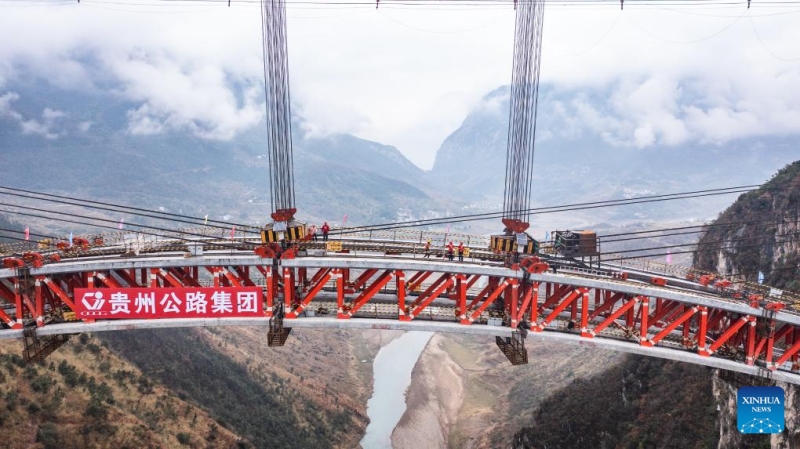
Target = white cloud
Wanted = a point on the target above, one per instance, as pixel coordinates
(197, 98)
(50, 114)
(407, 77)
(30, 126)
(84, 126)
(5, 105)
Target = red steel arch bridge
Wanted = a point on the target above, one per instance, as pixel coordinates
(280, 278)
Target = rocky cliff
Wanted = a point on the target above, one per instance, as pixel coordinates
(758, 233)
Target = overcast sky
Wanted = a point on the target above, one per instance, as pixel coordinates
(408, 76)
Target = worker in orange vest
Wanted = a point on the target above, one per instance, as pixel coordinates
(460, 251)
(428, 249)
(450, 250)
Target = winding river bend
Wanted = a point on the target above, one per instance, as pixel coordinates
(392, 373)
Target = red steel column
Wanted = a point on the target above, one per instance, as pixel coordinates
(18, 300)
(461, 297)
(535, 307)
(585, 312)
(644, 308)
(340, 280)
(39, 301)
(288, 290)
(751, 342)
(514, 298)
(770, 345)
(630, 318)
(702, 347)
(400, 280)
(269, 281)
(154, 278)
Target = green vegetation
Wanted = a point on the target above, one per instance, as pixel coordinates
(264, 410)
(763, 244)
(640, 403)
(47, 434)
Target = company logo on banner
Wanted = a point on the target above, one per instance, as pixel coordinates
(144, 303)
(760, 409)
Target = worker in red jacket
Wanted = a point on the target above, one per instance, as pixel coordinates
(460, 251)
(450, 250)
(325, 230)
(428, 249)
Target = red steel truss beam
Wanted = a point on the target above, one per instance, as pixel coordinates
(318, 275)
(557, 295)
(791, 351)
(729, 333)
(670, 319)
(489, 300)
(108, 279)
(126, 277)
(6, 319)
(527, 298)
(417, 279)
(769, 342)
(321, 281)
(363, 279)
(610, 319)
(368, 293)
(605, 306)
(244, 275)
(235, 281)
(481, 295)
(560, 308)
(669, 309)
(715, 319)
(425, 299)
(184, 277)
(167, 277)
(671, 327)
(6, 293)
(444, 277)
(59, 292)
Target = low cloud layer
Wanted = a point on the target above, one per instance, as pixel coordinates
(408, 77)
(44, 127)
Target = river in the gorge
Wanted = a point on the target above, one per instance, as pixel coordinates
(392, 376)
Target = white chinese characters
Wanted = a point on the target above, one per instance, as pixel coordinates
(196, 302)
(192, 302)
(120, 303)
(246, 302)
(221, 302)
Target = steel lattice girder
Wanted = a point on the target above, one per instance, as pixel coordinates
(646, 321)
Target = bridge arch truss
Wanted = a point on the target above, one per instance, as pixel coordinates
(350, 292)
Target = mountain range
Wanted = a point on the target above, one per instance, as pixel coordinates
(80, 142)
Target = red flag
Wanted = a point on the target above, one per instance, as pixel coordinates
(27, 233)
(233, 232)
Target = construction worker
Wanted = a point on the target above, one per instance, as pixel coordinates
(312, 230)
(325, 230)
(460, 251)
(450, 251)
(428, 249)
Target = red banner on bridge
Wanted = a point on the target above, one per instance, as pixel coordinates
(144, 303)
